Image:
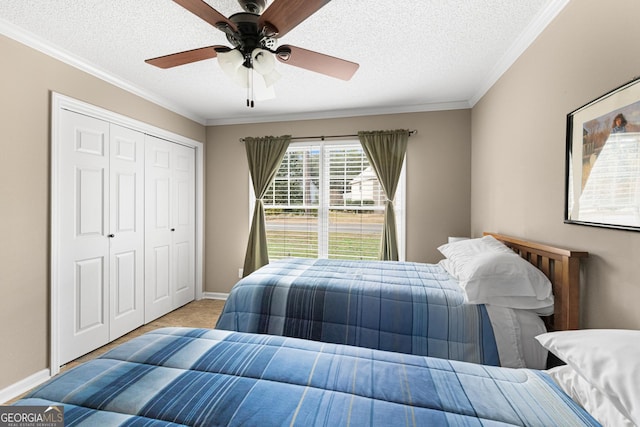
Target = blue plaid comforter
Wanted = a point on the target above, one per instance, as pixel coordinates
(406, 307)
(204, 377)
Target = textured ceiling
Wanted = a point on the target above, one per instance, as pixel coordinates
(414, 55)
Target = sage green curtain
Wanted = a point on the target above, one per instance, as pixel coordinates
(386, 151)
(264, 156)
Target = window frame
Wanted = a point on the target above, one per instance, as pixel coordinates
(399, 203)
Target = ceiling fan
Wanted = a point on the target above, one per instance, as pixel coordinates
(253, 35)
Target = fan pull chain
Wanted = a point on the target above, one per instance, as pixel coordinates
(250, 93)
(249, 88)
(252, 88)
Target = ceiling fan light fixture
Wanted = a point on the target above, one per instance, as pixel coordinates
(231, 63)
(264, 63)
(262, 91)
(271, 78)
(258, 80)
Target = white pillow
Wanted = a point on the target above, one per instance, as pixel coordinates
(590, 398)
(609, 359)
(503, 279)
(472, 247)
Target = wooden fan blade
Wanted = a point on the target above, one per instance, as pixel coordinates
(284, 15)
(318, 62)
(186, 57)
(207, 13)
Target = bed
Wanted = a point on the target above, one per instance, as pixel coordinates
(419, 308)
(208, 377)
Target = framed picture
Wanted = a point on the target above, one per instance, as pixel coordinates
(603, 161)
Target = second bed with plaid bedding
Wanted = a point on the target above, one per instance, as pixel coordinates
(406, 307)
(204, 377)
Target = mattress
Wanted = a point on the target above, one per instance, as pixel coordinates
(203, 377)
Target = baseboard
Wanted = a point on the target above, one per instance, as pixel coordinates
(215, 295)
(24, 385)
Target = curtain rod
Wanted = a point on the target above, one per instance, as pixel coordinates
(323, 137)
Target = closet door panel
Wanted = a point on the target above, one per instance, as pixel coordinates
(125, 297)
(83, 264)
(126, 228)
(89, 199)
(161, 292)
(88, 296)
(183, 220)
(159, 274)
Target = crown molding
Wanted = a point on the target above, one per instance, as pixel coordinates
(522, 43)
(337, 114)
(31, 40)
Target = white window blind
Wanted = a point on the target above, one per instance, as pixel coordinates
(326, 202)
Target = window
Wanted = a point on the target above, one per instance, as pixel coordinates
(326, 202)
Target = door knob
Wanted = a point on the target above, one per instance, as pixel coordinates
(111, 235)
(173, 229)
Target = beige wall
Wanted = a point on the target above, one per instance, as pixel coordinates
(27, 78)
(518, 148)
(438, 183)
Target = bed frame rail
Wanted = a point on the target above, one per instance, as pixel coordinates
(562, 267)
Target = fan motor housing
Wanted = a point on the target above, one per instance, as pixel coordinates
(253, 6)
(248, 36)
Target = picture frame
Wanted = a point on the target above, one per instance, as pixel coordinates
(602, 185)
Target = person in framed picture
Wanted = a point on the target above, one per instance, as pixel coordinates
(619, 124)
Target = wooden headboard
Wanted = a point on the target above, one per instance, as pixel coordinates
(562, 267)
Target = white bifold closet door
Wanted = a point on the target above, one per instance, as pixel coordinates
(169, 226)
(101, 220)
